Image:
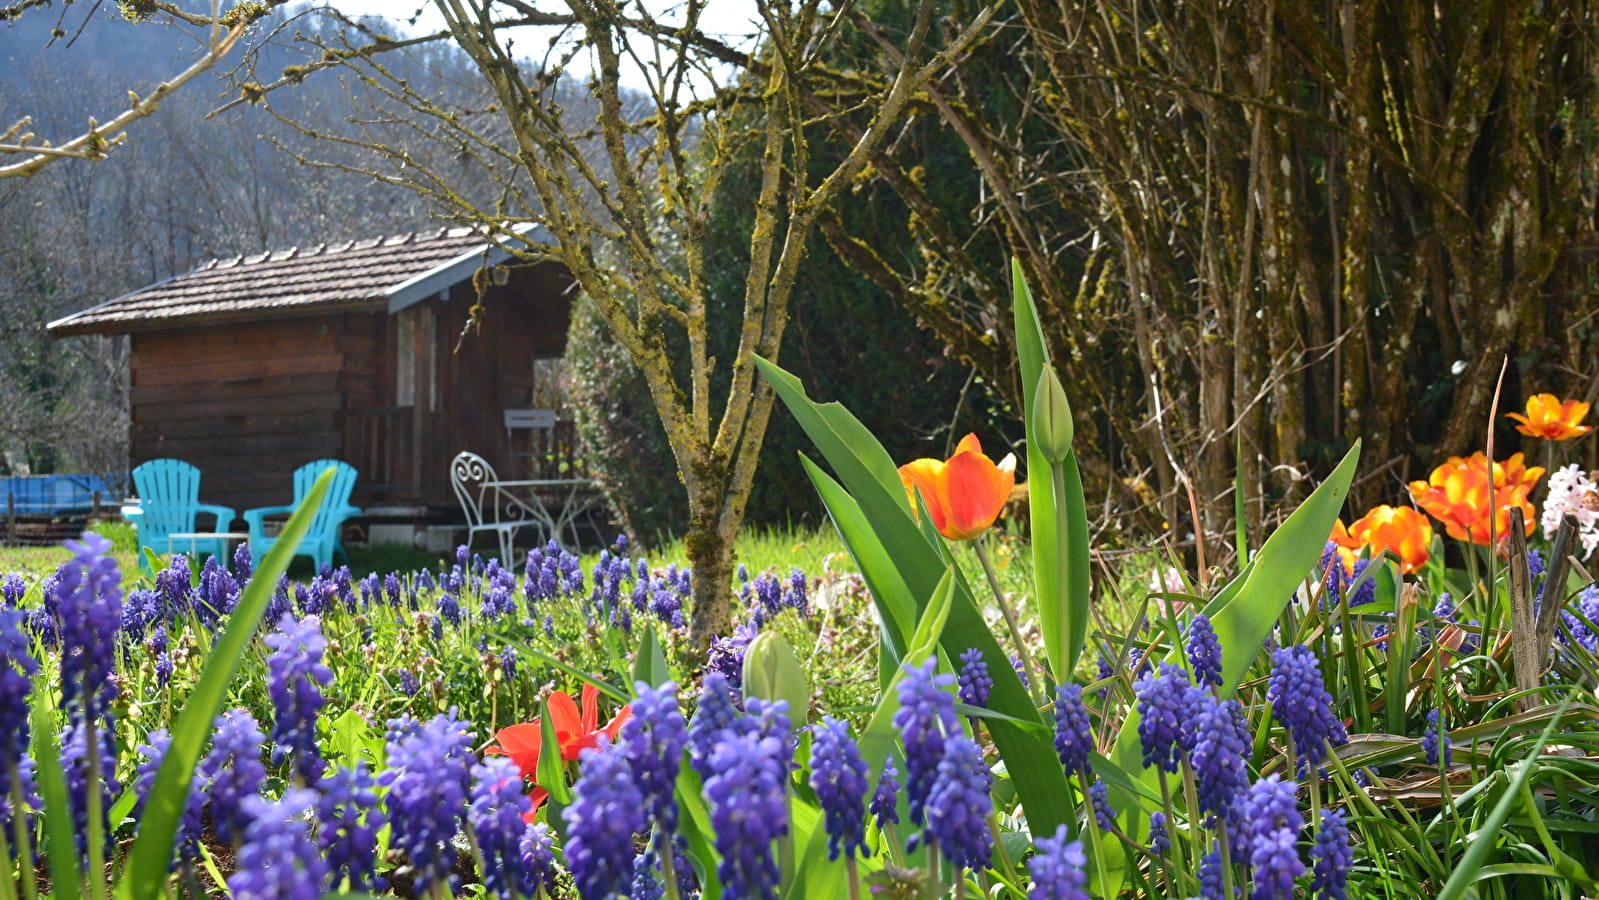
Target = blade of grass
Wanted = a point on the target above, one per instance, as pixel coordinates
(152, 847)
(53, 791)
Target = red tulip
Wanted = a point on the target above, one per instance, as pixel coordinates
(575, 731)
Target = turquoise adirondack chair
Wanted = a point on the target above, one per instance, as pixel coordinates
(169, 503)
(321, 541)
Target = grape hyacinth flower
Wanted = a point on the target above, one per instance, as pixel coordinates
(538, 856)
(885, 799)
(1274, 858)
(1204, 652)
(1104, 813)
(233, 771)
(653, 741)
(17, 668)
(278, 860)
(1269, 804)
(295, 676)
(1435, 740)
(605, 814)
(1211, 885)
(838, 776)
(926, 715)
(495, 815)
(1059, 869)
(959, 804)
(349, 817)
(1220, 754)
(1021, 671)
(89, 593)
(1301, 703)
(749, 810)
(1074, 739)
(716, 714)
(1331, 856)
(1164, 702)
(84, 774)
(975, 683)
(191, 823)
(1159, 836)
(427, 781)
(727, 655)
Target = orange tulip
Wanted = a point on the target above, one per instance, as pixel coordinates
(1457, 494)
(963, 494)
(1402, 530)
(1551, 419)
(574, 731)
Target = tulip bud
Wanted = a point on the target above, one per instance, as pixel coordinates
(773, 672)
(1052, 417)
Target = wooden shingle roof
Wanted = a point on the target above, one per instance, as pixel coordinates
(284, 283)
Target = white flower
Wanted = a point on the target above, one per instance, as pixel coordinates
(1572, 492)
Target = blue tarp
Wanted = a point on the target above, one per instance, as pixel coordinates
(55, 494)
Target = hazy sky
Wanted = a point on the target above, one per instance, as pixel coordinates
(733, 20)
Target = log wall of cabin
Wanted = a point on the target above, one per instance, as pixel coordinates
(245, 402)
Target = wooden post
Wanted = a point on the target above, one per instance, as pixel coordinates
(11, 518)
(94, 505)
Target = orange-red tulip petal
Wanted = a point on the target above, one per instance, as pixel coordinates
(1457, 494)
(1401, 530)
(963, 494)
(1552, 419)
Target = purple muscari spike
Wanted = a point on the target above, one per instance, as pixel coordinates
(1302, 704)
(424, 581)
(1334, 576)
(769, 595)
(653, 741)
(427, 781)
(716, 714)
(192, 823)
(727, 654)
(139, 609)
(1074, 740)
(538, 856)
(1204, 652)
(349, 817)
(243, 562)
(926, 715)
(12, 590)
(646, 885)
(974, 681)
(295, 676)
(769, 719)
(1220, 754)
(89, 594)
(1104, 813)
(391, 589)
(838, 776)
(219, 593)
(549, 626)
(1435, 740)
(1268, 805)
(1331, 856)
(1059, 869)
(408, 683)
(82, 775)
(496, 819)
(607, 811)
(1164, 702)
(17, 668)
(508, 663)
(1211, 884)
(1535, 563)
(1021, 670)
(885, 799)
(157, 645)
(450, 608)
(959, 804)
(1367, 592)
(234, 771)
(748, 795)
(1274, 859)
(278, 860)
(1159, 837)
(280, 605)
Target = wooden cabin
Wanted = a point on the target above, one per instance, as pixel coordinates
(361, 351)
